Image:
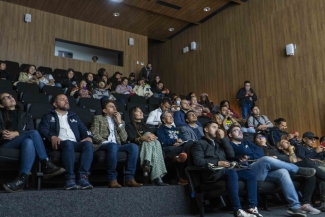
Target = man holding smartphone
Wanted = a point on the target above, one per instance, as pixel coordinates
(246, 99)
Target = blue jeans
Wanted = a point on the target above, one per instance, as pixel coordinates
(270, 169)
(30, 143)
(41, 85)
(248, 130)
(232, 177)
(245, 111)
(68, 148)
(112, 150)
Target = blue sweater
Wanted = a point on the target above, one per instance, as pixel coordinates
(247, 148)
(179, 119)
(168, 136)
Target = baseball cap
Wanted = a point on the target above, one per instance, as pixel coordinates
(309, 135)
(259, 133)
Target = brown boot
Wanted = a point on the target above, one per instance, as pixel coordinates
(132, 183)
(114, 184)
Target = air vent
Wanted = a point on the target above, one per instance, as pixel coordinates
(168, 5)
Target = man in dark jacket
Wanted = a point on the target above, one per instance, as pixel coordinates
(65, 132)
(214, 149)
(246, 99)
(147, 73)
(179, 116)
(4, 75)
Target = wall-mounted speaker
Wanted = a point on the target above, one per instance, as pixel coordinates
(131, 41)
(28, 18)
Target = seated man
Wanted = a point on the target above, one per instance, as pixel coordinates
(268, 168)
(225, 119)
(179, 116)
(142, 89)
(160, 91)
(102, 92)
(214, 148)
(65, 132)
(46, 80)
(4, 75)
(257, 121)
(154, 116)
(109, 133)
(192, 131)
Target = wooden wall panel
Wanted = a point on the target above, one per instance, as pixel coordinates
(248, 42)
(35, 42)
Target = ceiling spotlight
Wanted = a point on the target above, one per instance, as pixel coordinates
(119, 1)
(206, 9)
(171, 29)
(116, 14)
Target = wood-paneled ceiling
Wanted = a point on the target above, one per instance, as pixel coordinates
(151, 18)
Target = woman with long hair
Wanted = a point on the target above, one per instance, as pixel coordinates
(151, 156)
(69, 80)
(227, 103)
(91, 83)
(82, 91)
(28, 76)
(205, 102)
(17, 132)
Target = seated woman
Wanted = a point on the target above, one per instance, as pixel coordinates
(108, 84)
(91, 84)
(151, 155)
(101, 92)
(17, 132)
(69, 80)
(205, 102)
(81, 91)
(278, 132)
(124, 88)
(176, 104)
(199, 109)
(189, 96)
(28, 76)
(226, 103)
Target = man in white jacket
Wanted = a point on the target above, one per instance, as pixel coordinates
(154, 116)
(142, 89)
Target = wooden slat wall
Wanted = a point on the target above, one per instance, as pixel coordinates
(248, 42)
(35, 42)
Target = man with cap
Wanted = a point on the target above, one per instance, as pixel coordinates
(142, 89)
(4, 75)
(316, 154)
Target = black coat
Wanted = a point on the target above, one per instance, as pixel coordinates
(241, 96)
(204, 152)
(143, 74)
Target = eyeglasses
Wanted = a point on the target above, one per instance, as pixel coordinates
(192, 114)
(6, 97)
(237, 130)
(260, 137)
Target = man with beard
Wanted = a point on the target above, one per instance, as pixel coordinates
(214, 149)
(258, 121)
(268, 168)
(179, 116)
(65, 132)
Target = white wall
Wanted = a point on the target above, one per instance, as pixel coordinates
(86, 53)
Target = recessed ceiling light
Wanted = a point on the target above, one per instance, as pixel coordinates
(116, 14)
(171, 29)
(206, 9)
(119, 1)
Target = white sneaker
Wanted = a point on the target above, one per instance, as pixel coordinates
(242, 213)
(254, 211)
(309, 209)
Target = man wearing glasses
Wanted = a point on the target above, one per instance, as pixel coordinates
(246, 99)
(268, 168)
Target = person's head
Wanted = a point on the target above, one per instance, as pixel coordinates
(185, 105)
(309, 139)
(104, 78)
(247, 85)
(281, 123)
(210, 129)
(177, 100)
(149, 65)
(90, 77)
(101, 84)
(70, 73)
(109, 108)
(204, 97)
(60, 102)
(260, 138)
(31, 69)
(136, 114)
(255, 110)
(225, 102)
(83, 84)
(132, 76)
(167, 118)
(224, 110)
(3, 65)
(117, 75)
(39, 74)
(283, 145)
(165, 104)
(160, 85)
(189, 95)
(190, 117)
(95, 58)
(8, 102)
(193, 100)
(157, 79)
(141, 81)
(124, 81)
(102, 72)
(234, 133)
(322, 139)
